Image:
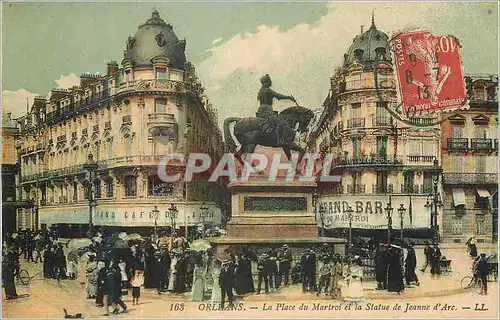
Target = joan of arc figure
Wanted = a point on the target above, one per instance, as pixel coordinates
(272, 123)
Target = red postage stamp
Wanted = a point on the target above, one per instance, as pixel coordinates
(429, 72)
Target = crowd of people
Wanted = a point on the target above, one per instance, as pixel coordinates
(110, 267)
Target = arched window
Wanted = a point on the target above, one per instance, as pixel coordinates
(130, 186)
(75, 191)
(97, 189)
(380, 53)
(358, 54)
(157, 187)
(109, 188)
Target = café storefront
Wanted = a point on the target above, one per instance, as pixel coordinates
(369, 216)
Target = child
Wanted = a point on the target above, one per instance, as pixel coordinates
(137, 281)
(71, 270)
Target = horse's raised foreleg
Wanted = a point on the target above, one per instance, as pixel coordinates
(300, 150)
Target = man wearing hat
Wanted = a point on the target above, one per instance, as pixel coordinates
(285, 264)
(308, 264)
(226, 282)
(263, 272)
(325, 273)
(273, 123)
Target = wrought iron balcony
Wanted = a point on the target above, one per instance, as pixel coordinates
(470, 178)
(356, 188)
(480, 144)
(421, 159)
(382, 122)
(381, 188)
(412, 188)
(365, 160)
(422, 121)
(458, 144)
(356, 123)
(161, 117)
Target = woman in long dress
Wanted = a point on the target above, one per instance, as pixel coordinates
(123, 272)
(216, 289)
(82, 266)
(354, 289)
(91, 271)
(198, 282)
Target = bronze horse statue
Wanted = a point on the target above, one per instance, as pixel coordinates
(248, 132)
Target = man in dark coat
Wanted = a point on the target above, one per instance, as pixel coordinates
(226, 282)
(394, 272)
(48, 262)
(381, 267)
(180, 274)
(482, 272)
(427, 254)
(273, 272)
(114, 287)
(435, 259)
(308, 264)
(410, 265)
(9, 284)
(285, 264)
(263, 273)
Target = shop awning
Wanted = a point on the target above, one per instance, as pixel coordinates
(483, 193)
(458, 197)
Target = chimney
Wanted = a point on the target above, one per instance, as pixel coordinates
(112, 67)
(362, 26)
(9, 116)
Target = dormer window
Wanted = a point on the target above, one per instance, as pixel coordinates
(161, 73)
(380, 53)
(358, 54)
(128, 75)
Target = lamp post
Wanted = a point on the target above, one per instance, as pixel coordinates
(349, 211)
(401, 212)
(388, 210)
(90, 166)
(173, 215)
(156, 213)
(434, 200)
(203, 214)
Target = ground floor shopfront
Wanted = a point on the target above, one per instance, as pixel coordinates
(369, 217)
(131, 216)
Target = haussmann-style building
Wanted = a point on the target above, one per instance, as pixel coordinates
(381, 160)
(128, 119)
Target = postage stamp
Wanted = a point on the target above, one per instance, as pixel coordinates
(249, 159)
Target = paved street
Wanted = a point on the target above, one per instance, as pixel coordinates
(46, 299)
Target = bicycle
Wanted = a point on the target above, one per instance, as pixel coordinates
(472, 282)
(23, 276)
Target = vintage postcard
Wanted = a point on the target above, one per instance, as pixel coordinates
(239, 159)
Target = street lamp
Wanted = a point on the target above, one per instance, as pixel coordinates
(156, 213)
(401, 212)
(322, 211)
(388, 210)
(434, 200)
(203, 213)
(349, 211)
(90, 166)
(173, 216)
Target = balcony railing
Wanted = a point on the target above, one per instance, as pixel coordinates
(480, 144)
(421, 159)
(161, 117)
(458, 144)
(422, 121)
(356, 123)
(470, 178)
(365, 160)
(356, 188)
(381, 188)
(382, 122)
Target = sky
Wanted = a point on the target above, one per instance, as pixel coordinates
(232, 44)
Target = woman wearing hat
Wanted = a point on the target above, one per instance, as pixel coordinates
(354, 279)
(272, 123)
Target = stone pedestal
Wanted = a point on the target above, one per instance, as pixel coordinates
(267, 214)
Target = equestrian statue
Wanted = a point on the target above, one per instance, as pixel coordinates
(269, 128)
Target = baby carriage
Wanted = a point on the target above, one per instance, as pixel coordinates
(445, 266)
